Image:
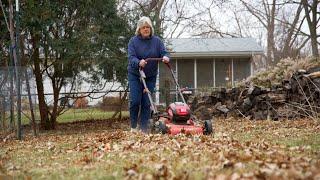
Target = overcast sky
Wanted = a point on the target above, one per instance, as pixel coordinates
(223, 18)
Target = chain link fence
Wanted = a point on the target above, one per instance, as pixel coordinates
(77, 106)
(9, 94)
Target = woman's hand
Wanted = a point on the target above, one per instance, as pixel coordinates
(142, 63)
(165, 59)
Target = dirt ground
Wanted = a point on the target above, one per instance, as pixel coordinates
(105, 149)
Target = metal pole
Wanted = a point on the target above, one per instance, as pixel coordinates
(120, 106)
(2, 112)
(18, 69)
(11, 78)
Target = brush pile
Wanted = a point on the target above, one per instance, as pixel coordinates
(295, 97)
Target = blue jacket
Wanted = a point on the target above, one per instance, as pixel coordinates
(139, 48)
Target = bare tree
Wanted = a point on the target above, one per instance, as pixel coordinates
(290, 34)
(313, 17)
(278, 25)
(171, 18)
(266, 16)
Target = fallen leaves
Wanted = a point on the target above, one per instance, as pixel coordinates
(239, 149)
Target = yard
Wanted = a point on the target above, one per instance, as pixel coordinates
(79, 114)
(105, 149)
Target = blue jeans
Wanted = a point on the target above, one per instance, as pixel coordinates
(138, 98)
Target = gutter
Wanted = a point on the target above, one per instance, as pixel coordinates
(214, 54)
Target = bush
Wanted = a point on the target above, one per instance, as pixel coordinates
(113, 103)
(81, 102)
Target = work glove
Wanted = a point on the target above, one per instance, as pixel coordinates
(165, 59)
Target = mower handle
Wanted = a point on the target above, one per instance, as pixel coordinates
(156, 59)
(153, 59)
(172, 73)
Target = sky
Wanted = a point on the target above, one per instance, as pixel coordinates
(223, 18)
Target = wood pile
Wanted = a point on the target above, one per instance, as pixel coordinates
(297, 97)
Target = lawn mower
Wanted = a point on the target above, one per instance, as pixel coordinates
(178, 117)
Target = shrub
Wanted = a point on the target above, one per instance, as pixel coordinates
(112, 103)
(81, 102)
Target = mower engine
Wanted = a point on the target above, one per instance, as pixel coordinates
(179, 112)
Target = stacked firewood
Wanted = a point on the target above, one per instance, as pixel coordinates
(297, 97)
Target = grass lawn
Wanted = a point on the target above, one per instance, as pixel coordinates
(107, 150)
(72, 115)
(85, 114)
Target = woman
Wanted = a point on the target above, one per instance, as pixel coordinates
(142, 46)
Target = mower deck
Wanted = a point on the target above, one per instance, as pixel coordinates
(165, 125)
(174, 129)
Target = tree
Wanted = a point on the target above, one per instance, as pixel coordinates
(277, 23)
(266, 16)
(65, 38)
(312, 14)
(171, 18)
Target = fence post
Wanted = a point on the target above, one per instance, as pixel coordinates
(120, 107)
(11, 79)
(2, 112)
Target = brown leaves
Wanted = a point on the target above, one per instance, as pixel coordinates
(240, 149)
(85, 159)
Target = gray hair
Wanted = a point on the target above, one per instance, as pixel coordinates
(143, 20)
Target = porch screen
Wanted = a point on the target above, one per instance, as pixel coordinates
(186, 73)
(204, 73)
(165, 77)
(241, 69)
(223, 72)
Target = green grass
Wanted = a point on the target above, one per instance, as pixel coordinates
(282, 136)
(76, 115)
(312, 140)
(84, 114)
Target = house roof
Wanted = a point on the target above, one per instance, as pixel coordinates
(202, 47)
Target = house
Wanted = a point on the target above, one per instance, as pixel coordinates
(207, 63)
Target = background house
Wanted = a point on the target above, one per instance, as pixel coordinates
(204, 63)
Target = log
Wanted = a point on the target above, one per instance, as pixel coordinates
(313, 75)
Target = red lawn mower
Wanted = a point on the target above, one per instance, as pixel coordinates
(178, 117)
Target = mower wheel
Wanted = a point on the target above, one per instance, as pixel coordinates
(207, 127)
(162, 127)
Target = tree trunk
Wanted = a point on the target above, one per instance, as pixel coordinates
(56, 90)
(24, 63)
(44, 120)
(270, 41)
(33, 121)
(287, 47)
(312, 24)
